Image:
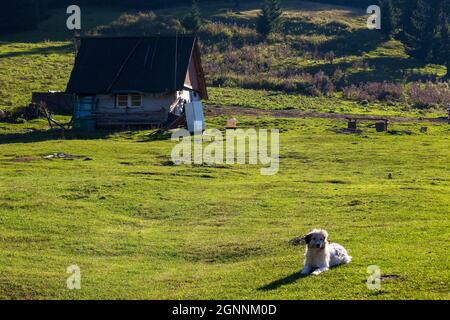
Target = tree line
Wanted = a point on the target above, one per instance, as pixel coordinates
(422, 25)
(21, 15)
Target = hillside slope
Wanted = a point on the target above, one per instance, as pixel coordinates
(322, 51)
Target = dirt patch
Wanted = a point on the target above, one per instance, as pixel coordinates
(224, 253)
(400, 132)
(346, 131)
(391, 277)
(168, 163)
(333, 181)
(145, 173)
(65, 156)
(25, 159)
(354, 203)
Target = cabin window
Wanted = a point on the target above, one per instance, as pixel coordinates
(122, 100)
(129, 100)
(136, 100)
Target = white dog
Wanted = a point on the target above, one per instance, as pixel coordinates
(321, 255)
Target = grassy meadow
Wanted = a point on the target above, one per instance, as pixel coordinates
(140, 227)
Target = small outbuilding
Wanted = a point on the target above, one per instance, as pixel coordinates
(121, 82)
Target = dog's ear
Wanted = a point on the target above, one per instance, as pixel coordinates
(308, 238)
(327, 239)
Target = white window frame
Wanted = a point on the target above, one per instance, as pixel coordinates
(117, 100)
(129, 100)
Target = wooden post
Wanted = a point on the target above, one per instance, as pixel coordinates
(381, 126)
(352, 124)
(448, 112)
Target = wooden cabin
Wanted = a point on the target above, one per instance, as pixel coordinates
(121, 82)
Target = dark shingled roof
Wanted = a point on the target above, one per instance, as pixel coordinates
(131, 64)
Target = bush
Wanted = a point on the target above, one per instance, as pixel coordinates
(3, 115)
(313, 85)
(372, 91)
(141, 23)
(429, 95)
(321, 85)
(222, 33)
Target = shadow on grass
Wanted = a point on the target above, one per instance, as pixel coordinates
(309, 28)
(57, 134)
(48, 135)
(352, 43)
(156, 137)
(62, 49)
(283, 281)
(291, 279)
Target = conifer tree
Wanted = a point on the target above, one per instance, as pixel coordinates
(419, 38)
(388, 18)
(442, 52)
(237, 5)
(270, 19)
(193, 21)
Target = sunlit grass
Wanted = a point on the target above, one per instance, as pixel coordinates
(139, 227)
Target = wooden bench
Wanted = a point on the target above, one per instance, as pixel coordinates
(381, 124)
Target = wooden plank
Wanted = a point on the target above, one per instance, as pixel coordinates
(366, 119)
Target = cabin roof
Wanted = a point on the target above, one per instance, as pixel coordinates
(154, 64)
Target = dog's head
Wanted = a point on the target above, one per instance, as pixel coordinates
(316, 239)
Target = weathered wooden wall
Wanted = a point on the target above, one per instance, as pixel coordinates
(155, 110)
(150, 103)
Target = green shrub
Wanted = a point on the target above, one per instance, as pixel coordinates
(140, 23)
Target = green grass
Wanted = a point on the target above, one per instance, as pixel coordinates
(139, 227)
(275, 100)
(32, 67)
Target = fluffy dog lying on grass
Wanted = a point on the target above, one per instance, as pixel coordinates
(321, 255)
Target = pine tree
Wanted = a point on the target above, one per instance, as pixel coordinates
(388, 18)
(237, 5)
(445, 49)
(406, 9)
(442, 51)
(193, 21)
(419, 39)
(270, 19)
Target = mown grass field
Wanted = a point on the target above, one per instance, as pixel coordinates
(140, 227)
